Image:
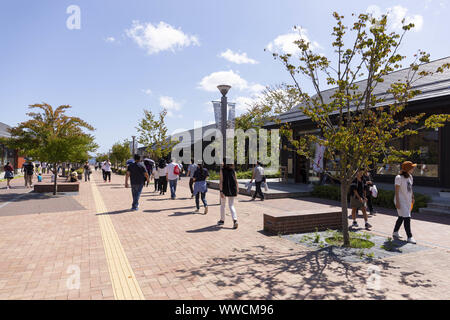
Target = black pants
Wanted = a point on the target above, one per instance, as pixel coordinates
(156, 184)
(258, 190)
(163, 184)
(407, 224)
(103, 174)
(191, 185)
(107, 176)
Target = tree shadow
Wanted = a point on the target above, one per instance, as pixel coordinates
(412, 279)
(263, 273)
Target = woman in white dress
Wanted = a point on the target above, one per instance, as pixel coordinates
(404, 200)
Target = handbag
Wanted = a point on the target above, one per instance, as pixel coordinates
(374, 191)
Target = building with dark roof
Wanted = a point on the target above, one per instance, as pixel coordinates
(8, 155)
(433, 163)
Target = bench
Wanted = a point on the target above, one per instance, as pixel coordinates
(60, 187)
(303, 221)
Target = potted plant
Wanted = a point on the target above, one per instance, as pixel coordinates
(80, 173)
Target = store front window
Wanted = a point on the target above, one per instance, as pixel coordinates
(427, 159)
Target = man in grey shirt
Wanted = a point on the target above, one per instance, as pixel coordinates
(258, 176)
(191, 170)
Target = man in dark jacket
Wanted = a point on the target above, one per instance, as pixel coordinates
(138, 175)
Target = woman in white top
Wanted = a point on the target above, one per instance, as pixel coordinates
(156, 177)
(404, 200)
(107, 170)
(162, 170)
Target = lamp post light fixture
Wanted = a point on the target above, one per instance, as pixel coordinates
(134, 138)
(223, 88)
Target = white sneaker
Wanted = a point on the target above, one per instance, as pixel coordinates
(412, 240)
(396, 235)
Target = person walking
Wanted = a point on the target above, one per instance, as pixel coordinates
(149, 166)
(28, 169)
(162, 170)
(138, 175)
(9, 174)
(368, 184)
(173, 171)
(191, 170)
(358, 199)
(258, 176)
(108, 170)
(44, 167)
(228, 187)
(200, 186)
(155, 174)
(404, 200)
(87, 171)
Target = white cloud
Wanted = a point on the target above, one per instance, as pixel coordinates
(110, 39)
(238, 58)
(257, 88)
(243, 103)
(395, 16)
(161, 37)
(210, 82)
(170, 105)
(147, 91)
(285, 43)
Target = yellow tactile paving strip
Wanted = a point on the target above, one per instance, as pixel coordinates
(124, 283)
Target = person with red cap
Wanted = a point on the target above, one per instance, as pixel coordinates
(404, 200)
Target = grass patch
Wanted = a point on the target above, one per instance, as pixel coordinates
(360, 241)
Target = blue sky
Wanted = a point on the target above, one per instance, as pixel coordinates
(131, 55)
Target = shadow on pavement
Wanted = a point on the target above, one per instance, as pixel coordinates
(209, 229)
(114, 212)
(180, 208)
(296, 274)
(178, 214)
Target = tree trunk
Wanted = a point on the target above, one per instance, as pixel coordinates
(344, 204)
(55, 172)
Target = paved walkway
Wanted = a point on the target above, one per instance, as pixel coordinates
(164, 251)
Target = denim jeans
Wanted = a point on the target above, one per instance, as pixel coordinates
(136, 190)
(173, 188)
(197, 199)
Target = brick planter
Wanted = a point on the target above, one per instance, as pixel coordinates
(61, 187)
(303, 221)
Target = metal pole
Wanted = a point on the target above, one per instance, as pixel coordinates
(134, 137)
(224, 103)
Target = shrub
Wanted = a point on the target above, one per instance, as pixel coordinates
(384, 199)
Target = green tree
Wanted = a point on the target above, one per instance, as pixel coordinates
(120, 152)
(101, 157)
(54, 137)
(153, 134)
(354, 128)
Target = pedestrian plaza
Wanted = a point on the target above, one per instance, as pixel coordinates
(90, 245)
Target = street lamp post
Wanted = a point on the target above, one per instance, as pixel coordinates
(134, 137)
(224, 103)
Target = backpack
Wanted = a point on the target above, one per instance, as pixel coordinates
(176, 170)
